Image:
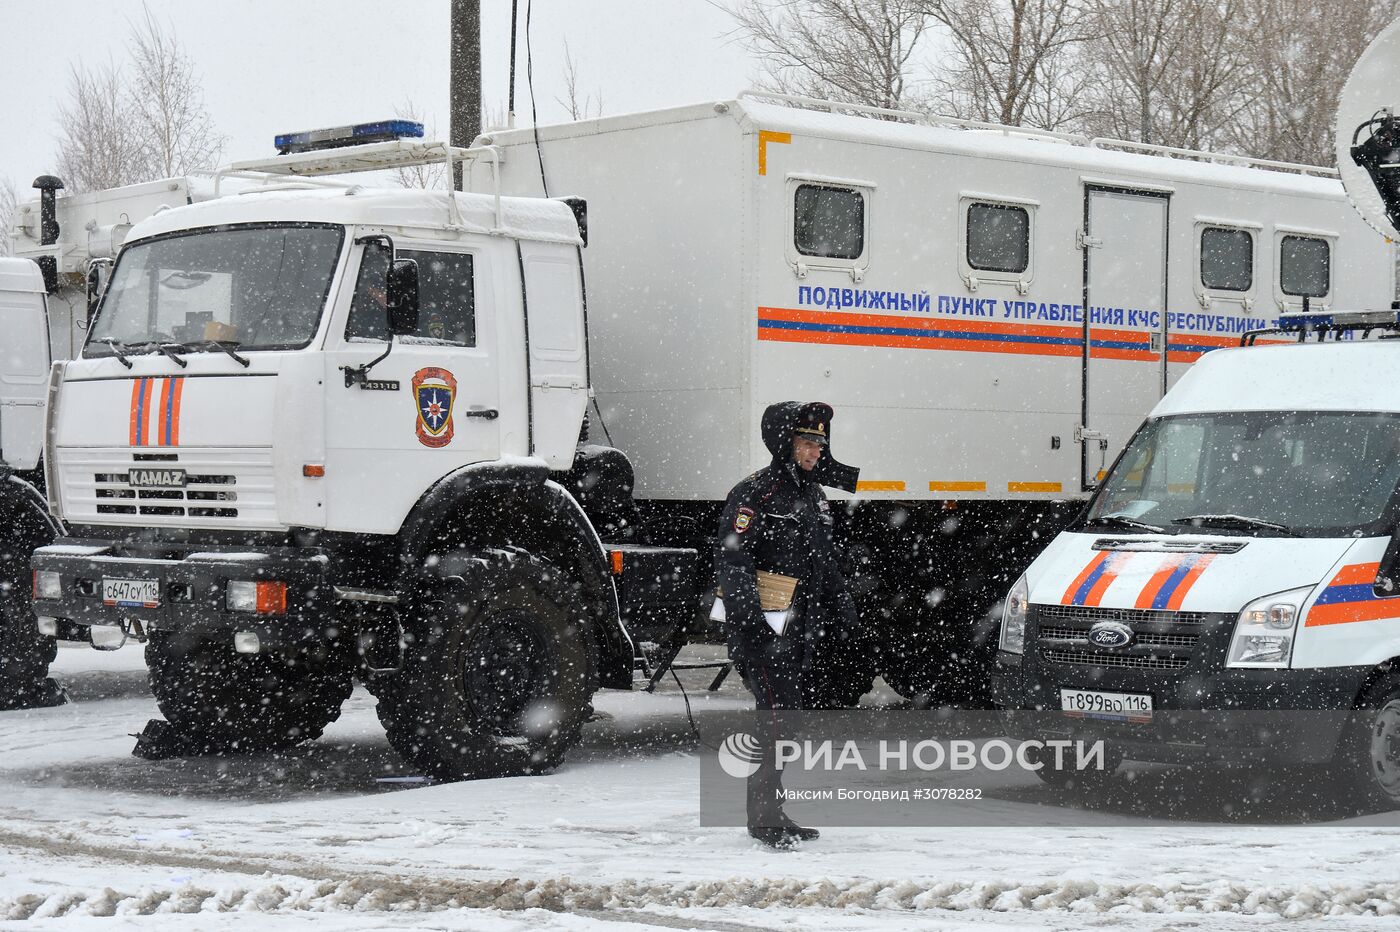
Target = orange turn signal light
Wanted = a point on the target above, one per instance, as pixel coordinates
(617, 562)
(272, 598)
(313, 471)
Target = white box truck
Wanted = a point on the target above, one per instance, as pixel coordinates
(928, 278)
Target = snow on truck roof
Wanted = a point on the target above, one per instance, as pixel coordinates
(1332, 376)
(779, 113)
(528, 218)
(20, 275)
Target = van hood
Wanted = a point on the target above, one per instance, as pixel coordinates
(1178, 573)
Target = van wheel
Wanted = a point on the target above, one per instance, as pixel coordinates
(220, 701)
(1371, 756)
(495, 680)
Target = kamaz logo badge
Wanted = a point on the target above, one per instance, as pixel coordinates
(1110, 634)
(156, 478)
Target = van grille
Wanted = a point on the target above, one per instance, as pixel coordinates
(1136, 661)
(1131, 616)
(1145, 638)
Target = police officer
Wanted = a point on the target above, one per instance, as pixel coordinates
(778, 521)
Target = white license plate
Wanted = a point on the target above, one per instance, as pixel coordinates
(131, 593)
(1119, 707)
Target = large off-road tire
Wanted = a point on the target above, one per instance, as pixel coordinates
(1368, 761)
(25, 654)
(222, 702)
(496, 677)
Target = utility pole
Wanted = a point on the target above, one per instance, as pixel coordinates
(465, 104)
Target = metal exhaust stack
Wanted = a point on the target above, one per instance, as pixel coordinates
(48, 186)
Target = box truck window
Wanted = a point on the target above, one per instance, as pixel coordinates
(1305, 266)
(1227, 259)
(829, 222)
(998, 238)
(446, 300)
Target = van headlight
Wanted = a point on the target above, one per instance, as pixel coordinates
(1013, 618)
(1266, 628)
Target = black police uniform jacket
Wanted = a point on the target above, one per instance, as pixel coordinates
(779, 520)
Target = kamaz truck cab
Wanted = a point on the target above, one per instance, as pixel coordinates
(1242, 555)
(322, 429)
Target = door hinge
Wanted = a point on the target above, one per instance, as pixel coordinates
(1083, 240)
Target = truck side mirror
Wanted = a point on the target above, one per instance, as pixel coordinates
(402, 302)
(98, 272)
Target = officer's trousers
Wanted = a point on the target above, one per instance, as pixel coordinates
(775, 679)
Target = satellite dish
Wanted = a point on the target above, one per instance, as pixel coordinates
(1368, 133)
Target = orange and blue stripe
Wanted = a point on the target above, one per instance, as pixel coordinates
(789, 325)
(156, 422)
(1351, 596)
(1169, 585)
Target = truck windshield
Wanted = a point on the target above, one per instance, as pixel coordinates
(1316, 474)
(257, 288)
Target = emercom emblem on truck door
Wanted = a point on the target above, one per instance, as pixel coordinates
(434, 390)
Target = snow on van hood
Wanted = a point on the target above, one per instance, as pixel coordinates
(1178, 573)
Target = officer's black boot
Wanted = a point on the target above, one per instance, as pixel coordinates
(805, 834)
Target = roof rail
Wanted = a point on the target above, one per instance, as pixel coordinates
(374, 156)
(1101, 142)
(1336, 323)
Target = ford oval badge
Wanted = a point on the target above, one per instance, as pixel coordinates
(1110, 634)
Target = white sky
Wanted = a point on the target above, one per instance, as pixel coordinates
(272, 66)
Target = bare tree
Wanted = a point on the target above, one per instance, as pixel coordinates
(580, 107)
(177, 134)
(98, 146)
(9, 201)
(1294, 75)
(122, 126)
(1009, 58)
(433, 175)
(860, 51)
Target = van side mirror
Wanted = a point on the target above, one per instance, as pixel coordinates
(402, 297)
(1388, 576)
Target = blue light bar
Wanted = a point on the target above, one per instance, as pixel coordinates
(340, 136)
(1353, 320)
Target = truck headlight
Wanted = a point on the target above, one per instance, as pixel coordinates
(1265, 630)
(47, 585)
(1013, 618)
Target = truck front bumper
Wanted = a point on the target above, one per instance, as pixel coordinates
(192, 589)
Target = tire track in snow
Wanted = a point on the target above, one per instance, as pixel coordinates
(308, 888)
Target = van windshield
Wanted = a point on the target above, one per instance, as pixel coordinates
(1316, 474)
(257, 288)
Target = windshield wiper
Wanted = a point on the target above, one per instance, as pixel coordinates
(172, 351)
(227, 346)
(1241, 522)
(1123, 521)
(116, 346)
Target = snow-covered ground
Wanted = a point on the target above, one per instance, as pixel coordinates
(91, 837)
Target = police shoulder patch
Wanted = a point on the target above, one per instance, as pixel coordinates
(742, 519)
